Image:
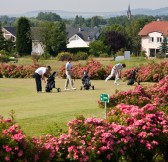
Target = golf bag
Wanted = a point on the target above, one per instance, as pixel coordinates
(132, 78)
(51, 83)
(130, 82)
(86, 81)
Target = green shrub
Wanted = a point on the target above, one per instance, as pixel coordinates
(160, 55)
(104, 55)
(3, 52)
(143, 53)
(45, 56)
(35, 57)
(81, 56)
(64, 56)
(4, 58)
(120, 53)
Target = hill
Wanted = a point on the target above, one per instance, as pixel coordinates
(69, 14)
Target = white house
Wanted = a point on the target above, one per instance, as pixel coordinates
(9, 33)
(81, 37)
(152, 35)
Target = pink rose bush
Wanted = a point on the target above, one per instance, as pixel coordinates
(13, 143)
(17, 71)
(140, 96)
(130, 133)
(94, 68)
(152, 72)
(148, 127)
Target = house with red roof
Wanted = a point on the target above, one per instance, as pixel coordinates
(152, 35)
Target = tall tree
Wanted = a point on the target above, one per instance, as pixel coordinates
(114, 40)
(53, 36)
(23, 35)
(2, 39)
(164, 47)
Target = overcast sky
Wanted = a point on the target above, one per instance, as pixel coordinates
(21, 6)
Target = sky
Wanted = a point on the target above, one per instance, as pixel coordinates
(8, 7)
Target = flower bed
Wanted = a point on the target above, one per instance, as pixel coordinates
(15, 71)
(140, 96)
(94, 68)
(152, 72)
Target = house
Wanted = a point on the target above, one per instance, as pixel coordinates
(81, 37)
(77, 37)
(152, 35)
(10, 33)
(37, 46)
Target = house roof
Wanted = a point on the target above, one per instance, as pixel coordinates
(155, 26)
(34, 32)
(86, 34)
(11, 30)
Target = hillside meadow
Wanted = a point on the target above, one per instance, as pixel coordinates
(37, 114)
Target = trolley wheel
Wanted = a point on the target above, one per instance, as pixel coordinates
(93, 87)
(58, 89)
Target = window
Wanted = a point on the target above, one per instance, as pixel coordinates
(151, 39)
(159, 39)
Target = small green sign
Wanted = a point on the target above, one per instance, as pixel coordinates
(104, 97)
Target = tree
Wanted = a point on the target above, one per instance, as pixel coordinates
(132, 29)
(2, 40)
(23, 35)
(97, 47)
(53, 36)
(48, 16)
(114, 40)
(79, 21)
(163, 48)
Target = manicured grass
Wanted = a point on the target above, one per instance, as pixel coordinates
(36, 112)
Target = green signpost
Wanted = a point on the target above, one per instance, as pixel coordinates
(104, 98)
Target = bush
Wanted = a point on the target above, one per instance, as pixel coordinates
(64, 56)
(119, 53)
(104, 55)
(81, 56)
(35, 57)
(4, 58)
(160, 55)
(20, 71)
(143, 54)
(3, 52)
(95, 69)
(152, 72)
(45, 56)
(141, 96)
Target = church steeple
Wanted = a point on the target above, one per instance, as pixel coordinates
(129, 13)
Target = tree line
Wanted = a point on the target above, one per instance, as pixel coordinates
(117, 33)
